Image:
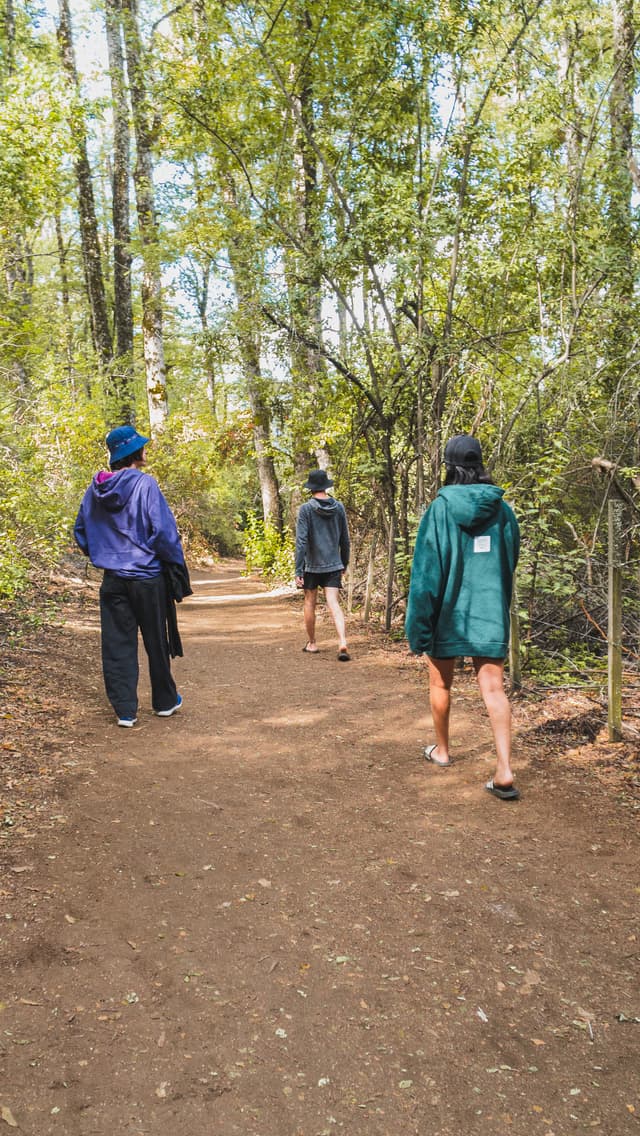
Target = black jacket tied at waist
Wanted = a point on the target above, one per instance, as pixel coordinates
(178, 586)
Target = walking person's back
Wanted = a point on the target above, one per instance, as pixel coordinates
(322, 554)
(459, 599)
(125, 526)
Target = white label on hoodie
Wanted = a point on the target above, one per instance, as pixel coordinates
(482, 544)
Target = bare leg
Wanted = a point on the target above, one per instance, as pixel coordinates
(440, 682)
(310, 600)
(490, 675)
(333, 603)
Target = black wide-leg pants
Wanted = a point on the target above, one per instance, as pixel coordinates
(125, 606)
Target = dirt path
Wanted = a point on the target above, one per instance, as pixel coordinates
(266, 916)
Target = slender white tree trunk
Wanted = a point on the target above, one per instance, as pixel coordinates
(143, 125)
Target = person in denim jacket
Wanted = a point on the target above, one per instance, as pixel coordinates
(322, 555)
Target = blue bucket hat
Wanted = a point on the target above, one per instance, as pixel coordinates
(122, 441)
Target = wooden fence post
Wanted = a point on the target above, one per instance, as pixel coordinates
(370, 570)
(614, 627)
(515, 662)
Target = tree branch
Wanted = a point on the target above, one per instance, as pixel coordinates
(311, 342)
(611, 468)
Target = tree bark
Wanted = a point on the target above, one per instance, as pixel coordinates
(621, 251)
(16, 252)
(64, 295)
(122, 371)
(303, 272)
(152, 330)
(91, 252)
(18, 268)
(195, 276)
(8, 25)
(202, 304)
(248, 332)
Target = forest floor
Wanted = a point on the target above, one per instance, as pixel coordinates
(268, 916)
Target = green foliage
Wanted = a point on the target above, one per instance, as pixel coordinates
(267, 551)
(43, 473)
(207, 478)
(574, 665)
(435, 234)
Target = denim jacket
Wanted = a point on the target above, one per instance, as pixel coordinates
(322, 536)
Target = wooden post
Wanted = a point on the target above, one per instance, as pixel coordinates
(614, 629)
(391, 571)
(370, 570)
(515, 662)
(350, 579)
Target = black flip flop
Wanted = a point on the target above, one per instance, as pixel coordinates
(344, 657)
(503, 792)
(306, 651)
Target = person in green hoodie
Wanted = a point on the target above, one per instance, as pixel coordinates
(460, 595)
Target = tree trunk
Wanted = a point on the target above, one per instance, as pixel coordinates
(152, 333)
(202, 303)
(16, 252)
(18, 267)
(123, 395)
(248, 331)
(621, 229)
(8, 28)
(269, 488)
(64, 294)
(91, 252)
(199, 290)
(303, 274)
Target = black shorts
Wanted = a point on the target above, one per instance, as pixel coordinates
(313, 580)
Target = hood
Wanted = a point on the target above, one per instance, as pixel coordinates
(325, 507)
(113, 491)
(472, 506)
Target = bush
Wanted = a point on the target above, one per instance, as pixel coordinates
(268, 551)
(208, 488)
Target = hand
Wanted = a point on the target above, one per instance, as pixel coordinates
(299, 581)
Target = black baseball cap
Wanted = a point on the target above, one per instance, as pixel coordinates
(463, 450)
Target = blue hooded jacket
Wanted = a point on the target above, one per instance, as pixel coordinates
(125, 525)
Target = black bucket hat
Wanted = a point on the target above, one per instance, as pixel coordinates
(318, 481)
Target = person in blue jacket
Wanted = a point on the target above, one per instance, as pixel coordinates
(322, 554)
(126, 527)
(460, 595)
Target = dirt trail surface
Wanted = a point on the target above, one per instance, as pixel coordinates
(267, 916)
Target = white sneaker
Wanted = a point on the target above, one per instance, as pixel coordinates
(168, 713)
(127, 722)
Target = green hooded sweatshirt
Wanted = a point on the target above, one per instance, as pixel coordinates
(462, 575)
